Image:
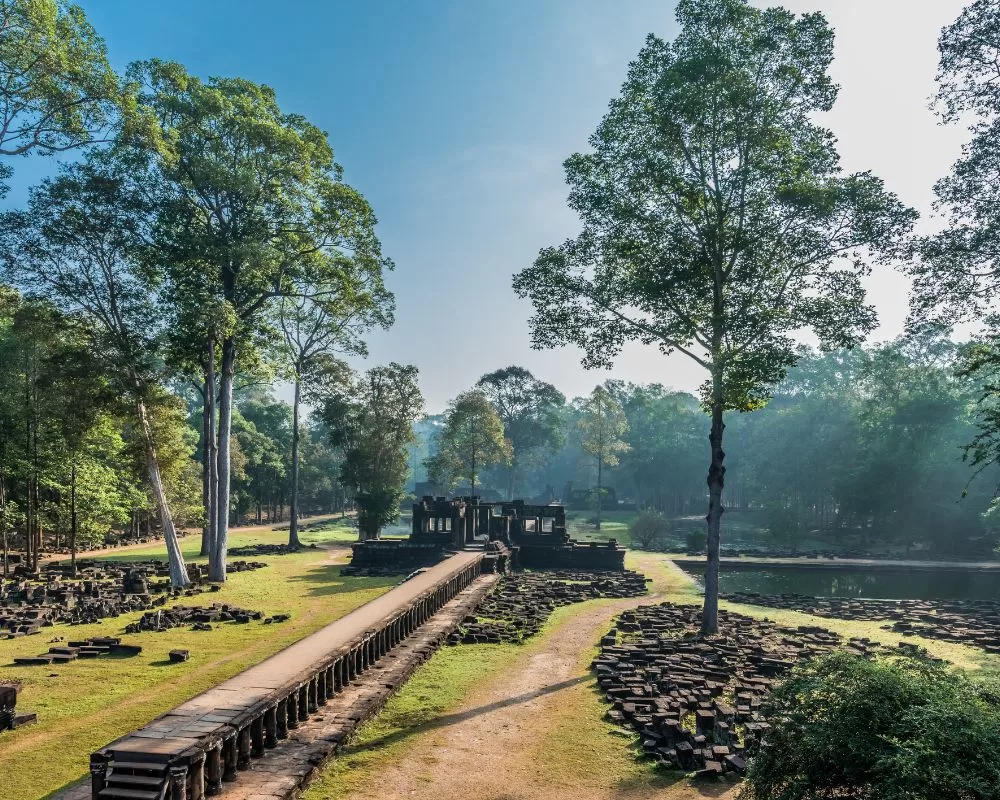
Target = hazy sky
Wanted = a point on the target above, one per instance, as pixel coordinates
(453, 117)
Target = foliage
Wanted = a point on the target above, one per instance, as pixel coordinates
(956, 272)
(529, 410)
(892, 729)
(471, 440)
(649, 530)
(371, 421)
(57, 88)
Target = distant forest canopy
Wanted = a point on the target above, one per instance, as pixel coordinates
(867, 446)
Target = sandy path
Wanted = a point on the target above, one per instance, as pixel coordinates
(491, 747)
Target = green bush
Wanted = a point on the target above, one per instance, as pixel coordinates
(696, 541)
(649, 530)
(899, 728)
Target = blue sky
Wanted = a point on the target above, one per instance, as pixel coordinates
(453, 118)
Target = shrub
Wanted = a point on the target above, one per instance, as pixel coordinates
(649, 530)
(696, 541)
(899, 728)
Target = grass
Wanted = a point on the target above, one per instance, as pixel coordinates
(84, 705)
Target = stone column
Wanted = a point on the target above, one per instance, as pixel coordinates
(281, 720)
(243, 748)
(312, 694)
(197, 769)
(271, 727)
(229, 756)
(292, 705)
(213, 769)
(303, 703)
(257, 737)
(98, 774)
(178, 782)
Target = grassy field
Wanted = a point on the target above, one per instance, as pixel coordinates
(85, 704)
(578, 749)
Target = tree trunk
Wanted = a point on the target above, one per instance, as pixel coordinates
(3, 517)
(716, 482)
(178, 572)
(213, 458)
(206, 476)
(600, 490)
(72, 524)
(217, 567)
(293, 512)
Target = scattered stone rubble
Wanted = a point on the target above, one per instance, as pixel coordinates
(268, 550)
(970, 622)
(696, 701)
(200, 617)
(521, 602)
(101, 590)
(87, 648)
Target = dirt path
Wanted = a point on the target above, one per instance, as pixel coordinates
(494, 746)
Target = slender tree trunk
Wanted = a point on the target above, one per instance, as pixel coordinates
(510, 481)
(206, 473)
(72, 525)
(600, 490)
(217, 569)
(213, 458)
(3, 516)
(178, 571)
(293, 512)
(716, 482)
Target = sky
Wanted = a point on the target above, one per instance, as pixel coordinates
(453, 118)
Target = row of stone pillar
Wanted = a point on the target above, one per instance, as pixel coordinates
(223, 756)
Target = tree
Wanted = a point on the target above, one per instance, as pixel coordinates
(649, 530)
(82, 244)
(716, 220)
(957, 271)
(371, 420)
(325, 317)
(529, 410)
(602, 425)
(253, 196)
(892, 728)
(472, 439)
(57, 89)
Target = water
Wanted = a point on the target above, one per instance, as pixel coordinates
(853, 582)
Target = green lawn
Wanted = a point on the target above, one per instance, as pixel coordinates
(85, 704)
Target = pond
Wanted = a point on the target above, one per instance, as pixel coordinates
(923, 584)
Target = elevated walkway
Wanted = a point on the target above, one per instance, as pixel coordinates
(188, 752)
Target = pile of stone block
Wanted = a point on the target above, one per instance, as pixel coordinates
(970, 622)
(697, 702)
(101, 590)
(200, 617)
(521, 602)
(86, 648)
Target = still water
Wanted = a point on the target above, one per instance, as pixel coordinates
(853, 582)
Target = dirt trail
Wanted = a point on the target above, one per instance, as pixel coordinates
(493, 746)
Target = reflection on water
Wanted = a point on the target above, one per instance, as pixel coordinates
(847, 582)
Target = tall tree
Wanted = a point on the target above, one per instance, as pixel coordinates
(326, 316)
(472, 440)
(81, 243)
(716, 220)
(957, 271)
(371, 420)
(602, 425)
(529, 410)
(253, 195)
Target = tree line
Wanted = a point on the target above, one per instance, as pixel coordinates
(204, 239)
